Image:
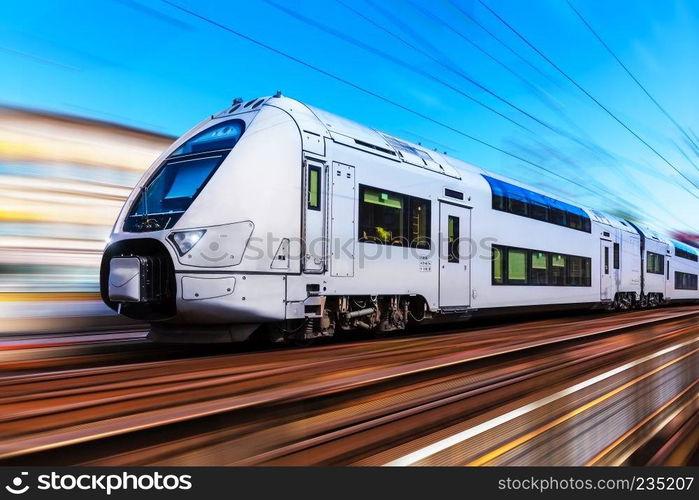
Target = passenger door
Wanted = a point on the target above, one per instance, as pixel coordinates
(454, 249)
(315, 208)
(342, 220)
(606, 270)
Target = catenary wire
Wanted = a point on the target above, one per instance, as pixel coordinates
(631, 75)
(595, 100)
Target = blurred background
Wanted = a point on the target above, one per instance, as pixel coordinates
(63, 180)
(592, 101)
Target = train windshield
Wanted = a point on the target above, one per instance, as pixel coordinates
(181, 178)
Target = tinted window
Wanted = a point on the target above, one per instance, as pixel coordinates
(557, 216)
(419, 222)
(539, 268)
(314, 188)
(381, 217)
(575, 221)
(519, 266)
(393, 219)
(517, 207)
(685, 281)
(538, 212)
(558, 269)
(171, 191)
(520, 201)
(655, 263)
(174, 186)
(498, 265)
(499, 202)
(686, 252)
(453, 238)
(516, 266)
(616, 255)
(578, 271)
(586, 225)
(221, 136)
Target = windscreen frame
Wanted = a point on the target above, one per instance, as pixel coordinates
(160, 221)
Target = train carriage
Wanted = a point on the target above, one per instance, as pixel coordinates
(273, 215)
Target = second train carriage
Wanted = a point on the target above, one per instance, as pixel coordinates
(274, 213)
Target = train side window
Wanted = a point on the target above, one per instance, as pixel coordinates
(685, 281)
(557, 216)
(520, 201)
(499, 202)
(580, 270)
(381, 216)
(517, 207)
(587, 271)
(420, 223)
(576, 270)
(685, 254)
(519, 266)
(498, 265)
(616, 255)
(538, 268)
(314, 187)
(538, 212)
(558, 269)
(516, 266)
(453, 238)
(575, 221)
(606, 260)
(655, 263)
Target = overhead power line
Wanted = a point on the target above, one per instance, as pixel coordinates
(389, 57)
(631, 75)
(497, 39)
(602, 106)
(373, 94)
(429, 55)
(585, 143)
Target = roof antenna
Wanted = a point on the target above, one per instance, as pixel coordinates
(237, 100)
(278, 94)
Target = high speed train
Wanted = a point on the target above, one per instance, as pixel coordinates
(274, 216)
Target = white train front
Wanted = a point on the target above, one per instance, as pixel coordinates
(276, 217)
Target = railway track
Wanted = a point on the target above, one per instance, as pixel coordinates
(559, 391)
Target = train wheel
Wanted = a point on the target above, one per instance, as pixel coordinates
(296, 333)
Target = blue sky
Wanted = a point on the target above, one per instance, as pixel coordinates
(150, 65)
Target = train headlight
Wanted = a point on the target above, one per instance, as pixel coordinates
(185, 240)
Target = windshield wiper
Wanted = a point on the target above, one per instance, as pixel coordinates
(147, 223)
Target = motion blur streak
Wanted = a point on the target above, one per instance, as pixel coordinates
(62, 183)
(454, 440)
(595, 386)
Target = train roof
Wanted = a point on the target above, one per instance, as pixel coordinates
(683, 246)
(356, 135)
(653, 234)
(611, 220)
